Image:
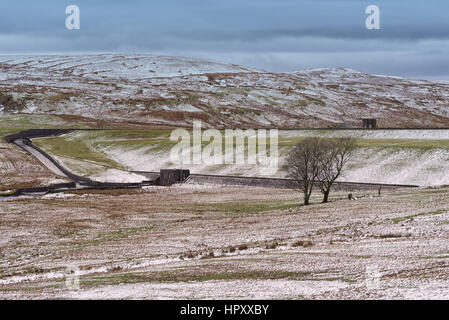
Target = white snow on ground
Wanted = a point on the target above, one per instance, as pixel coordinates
(129, 66)
(118, 176)
(424, 167)
(429, 168)
(239, 289)
(31, 277)
(183, 107)
(347, 237)
(136, 87)
(58, 196)
(382, 163)
(56, 181)
(438, 134)
(145, 159)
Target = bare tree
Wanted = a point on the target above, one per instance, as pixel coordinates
(304, 164)
(338, 152)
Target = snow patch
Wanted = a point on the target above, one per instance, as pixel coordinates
(118, 176)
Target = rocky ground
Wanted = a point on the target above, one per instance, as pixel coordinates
(193, 241)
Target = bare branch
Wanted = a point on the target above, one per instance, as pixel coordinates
(338, 154)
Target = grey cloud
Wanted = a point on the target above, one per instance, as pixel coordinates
(268, 34)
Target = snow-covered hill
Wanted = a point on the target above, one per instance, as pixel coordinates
(130, 67)
(174, 91)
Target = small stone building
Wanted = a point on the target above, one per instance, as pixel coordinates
(369, 123)
(168, 177)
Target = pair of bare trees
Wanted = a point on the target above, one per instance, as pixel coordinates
(318, 162)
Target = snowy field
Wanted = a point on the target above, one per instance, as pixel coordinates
(207, 241)
(193, 242)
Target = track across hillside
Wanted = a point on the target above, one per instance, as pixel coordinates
(23, 140)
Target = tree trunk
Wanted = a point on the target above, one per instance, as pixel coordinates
(326, 195)
(306, 199)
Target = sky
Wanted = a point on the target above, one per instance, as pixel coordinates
(273, 35)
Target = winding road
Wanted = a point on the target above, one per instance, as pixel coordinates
(23, 140)
(39, 156)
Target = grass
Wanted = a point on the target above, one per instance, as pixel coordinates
(110, 236)
(91, 146)
(55, 284)
(431, 213)
(186, 276)
(329, 230)
(106, 135)
(6, 193)
(302, 243)
(391, 235)
(420, 144)
(443, 255)
(114, 250)
(231, 207)
(87, 145)
(439, 191)
(90, 143)
(10, 124)
(70, 228)
(60, 146)
(61, 97)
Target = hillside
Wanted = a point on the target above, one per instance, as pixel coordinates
(382, 156)
(146, 89)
